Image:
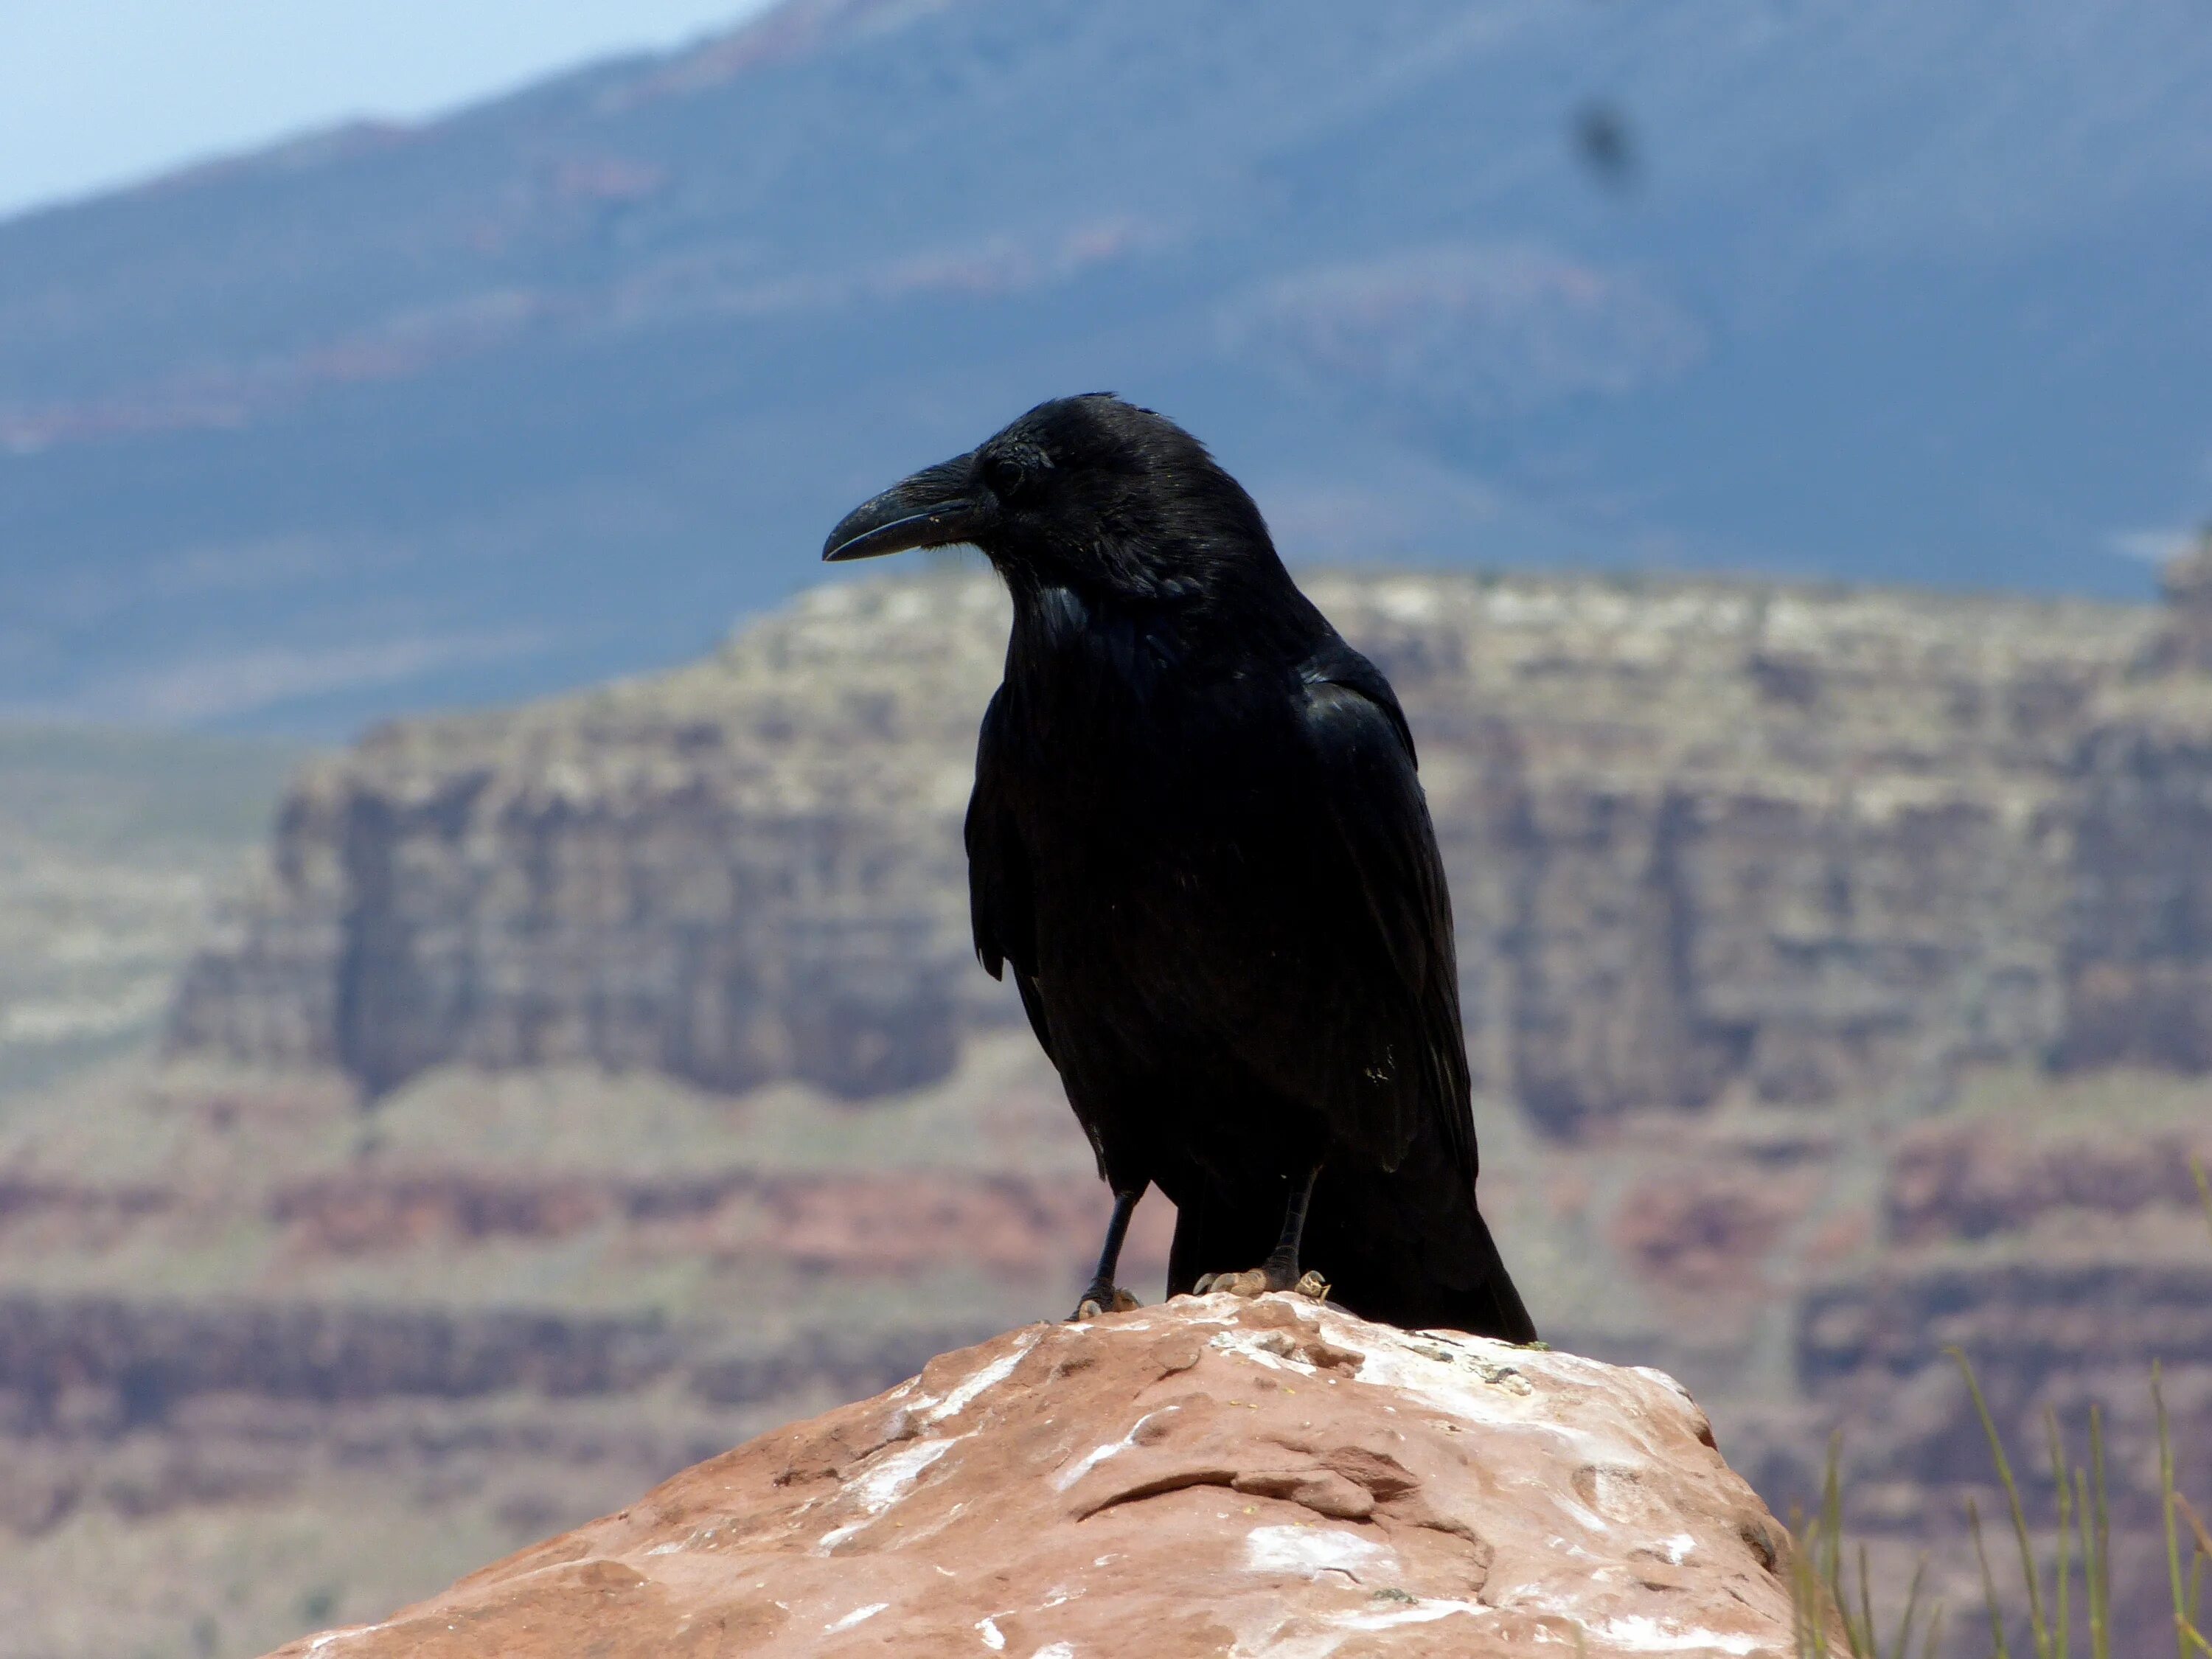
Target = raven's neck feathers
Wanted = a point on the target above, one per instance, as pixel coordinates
(1231, 616)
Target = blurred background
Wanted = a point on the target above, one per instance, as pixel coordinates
(486, 1017)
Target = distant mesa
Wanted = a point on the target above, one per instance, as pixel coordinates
(1702, 838)
(2185, 582)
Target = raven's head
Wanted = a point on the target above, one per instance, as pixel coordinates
(1087, 492)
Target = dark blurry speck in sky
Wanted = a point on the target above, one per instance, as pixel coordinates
(1604, 144)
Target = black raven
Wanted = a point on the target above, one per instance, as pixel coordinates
(1198, 839)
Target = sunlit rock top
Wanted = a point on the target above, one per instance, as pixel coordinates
(1202, 1477)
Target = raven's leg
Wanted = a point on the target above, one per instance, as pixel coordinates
(1104, 1295)
(1280, 1272)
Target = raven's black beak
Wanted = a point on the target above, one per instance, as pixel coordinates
(933, 508)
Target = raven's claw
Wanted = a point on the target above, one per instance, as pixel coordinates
(1101, 1300)
(1258, 1281)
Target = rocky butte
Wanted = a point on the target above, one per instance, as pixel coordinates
(1205, 1478)
(1709, 843)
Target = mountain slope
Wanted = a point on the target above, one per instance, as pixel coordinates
(552, 387)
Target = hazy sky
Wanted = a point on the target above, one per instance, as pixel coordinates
(94, 93)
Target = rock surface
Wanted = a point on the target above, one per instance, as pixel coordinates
(1208, 1477)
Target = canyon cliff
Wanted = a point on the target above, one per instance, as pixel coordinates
(1708, 842)
(578, 1090)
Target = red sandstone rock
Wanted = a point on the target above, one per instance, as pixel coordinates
(1953, 1181)
(1710, 1229)
(1210, 1477)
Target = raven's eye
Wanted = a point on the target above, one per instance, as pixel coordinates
(1013, 474)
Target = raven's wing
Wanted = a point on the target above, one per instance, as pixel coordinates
(1372, 1032)
(1001, 908)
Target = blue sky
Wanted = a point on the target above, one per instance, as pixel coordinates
(100, 93)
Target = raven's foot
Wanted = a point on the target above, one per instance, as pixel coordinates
(1103, 1298)
(1258, 1281)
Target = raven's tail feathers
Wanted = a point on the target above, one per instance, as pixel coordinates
(1494, 1306)
(1408, 1248)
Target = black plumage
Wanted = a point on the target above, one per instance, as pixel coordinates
(1198, 840)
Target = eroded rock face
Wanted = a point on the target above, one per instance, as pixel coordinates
(1208, 1477)
(746, 871)
(1707, 840)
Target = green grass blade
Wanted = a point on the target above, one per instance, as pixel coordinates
(1998, 1648)
(1863, 1645)
(2184, 1635)
(1903, 1648)
(2097, 1566)
(2197, 1529)
(1807, 1605)
(2061, 1615)
(1832, 1527)
(2095, 1590)
(2037, 1623)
